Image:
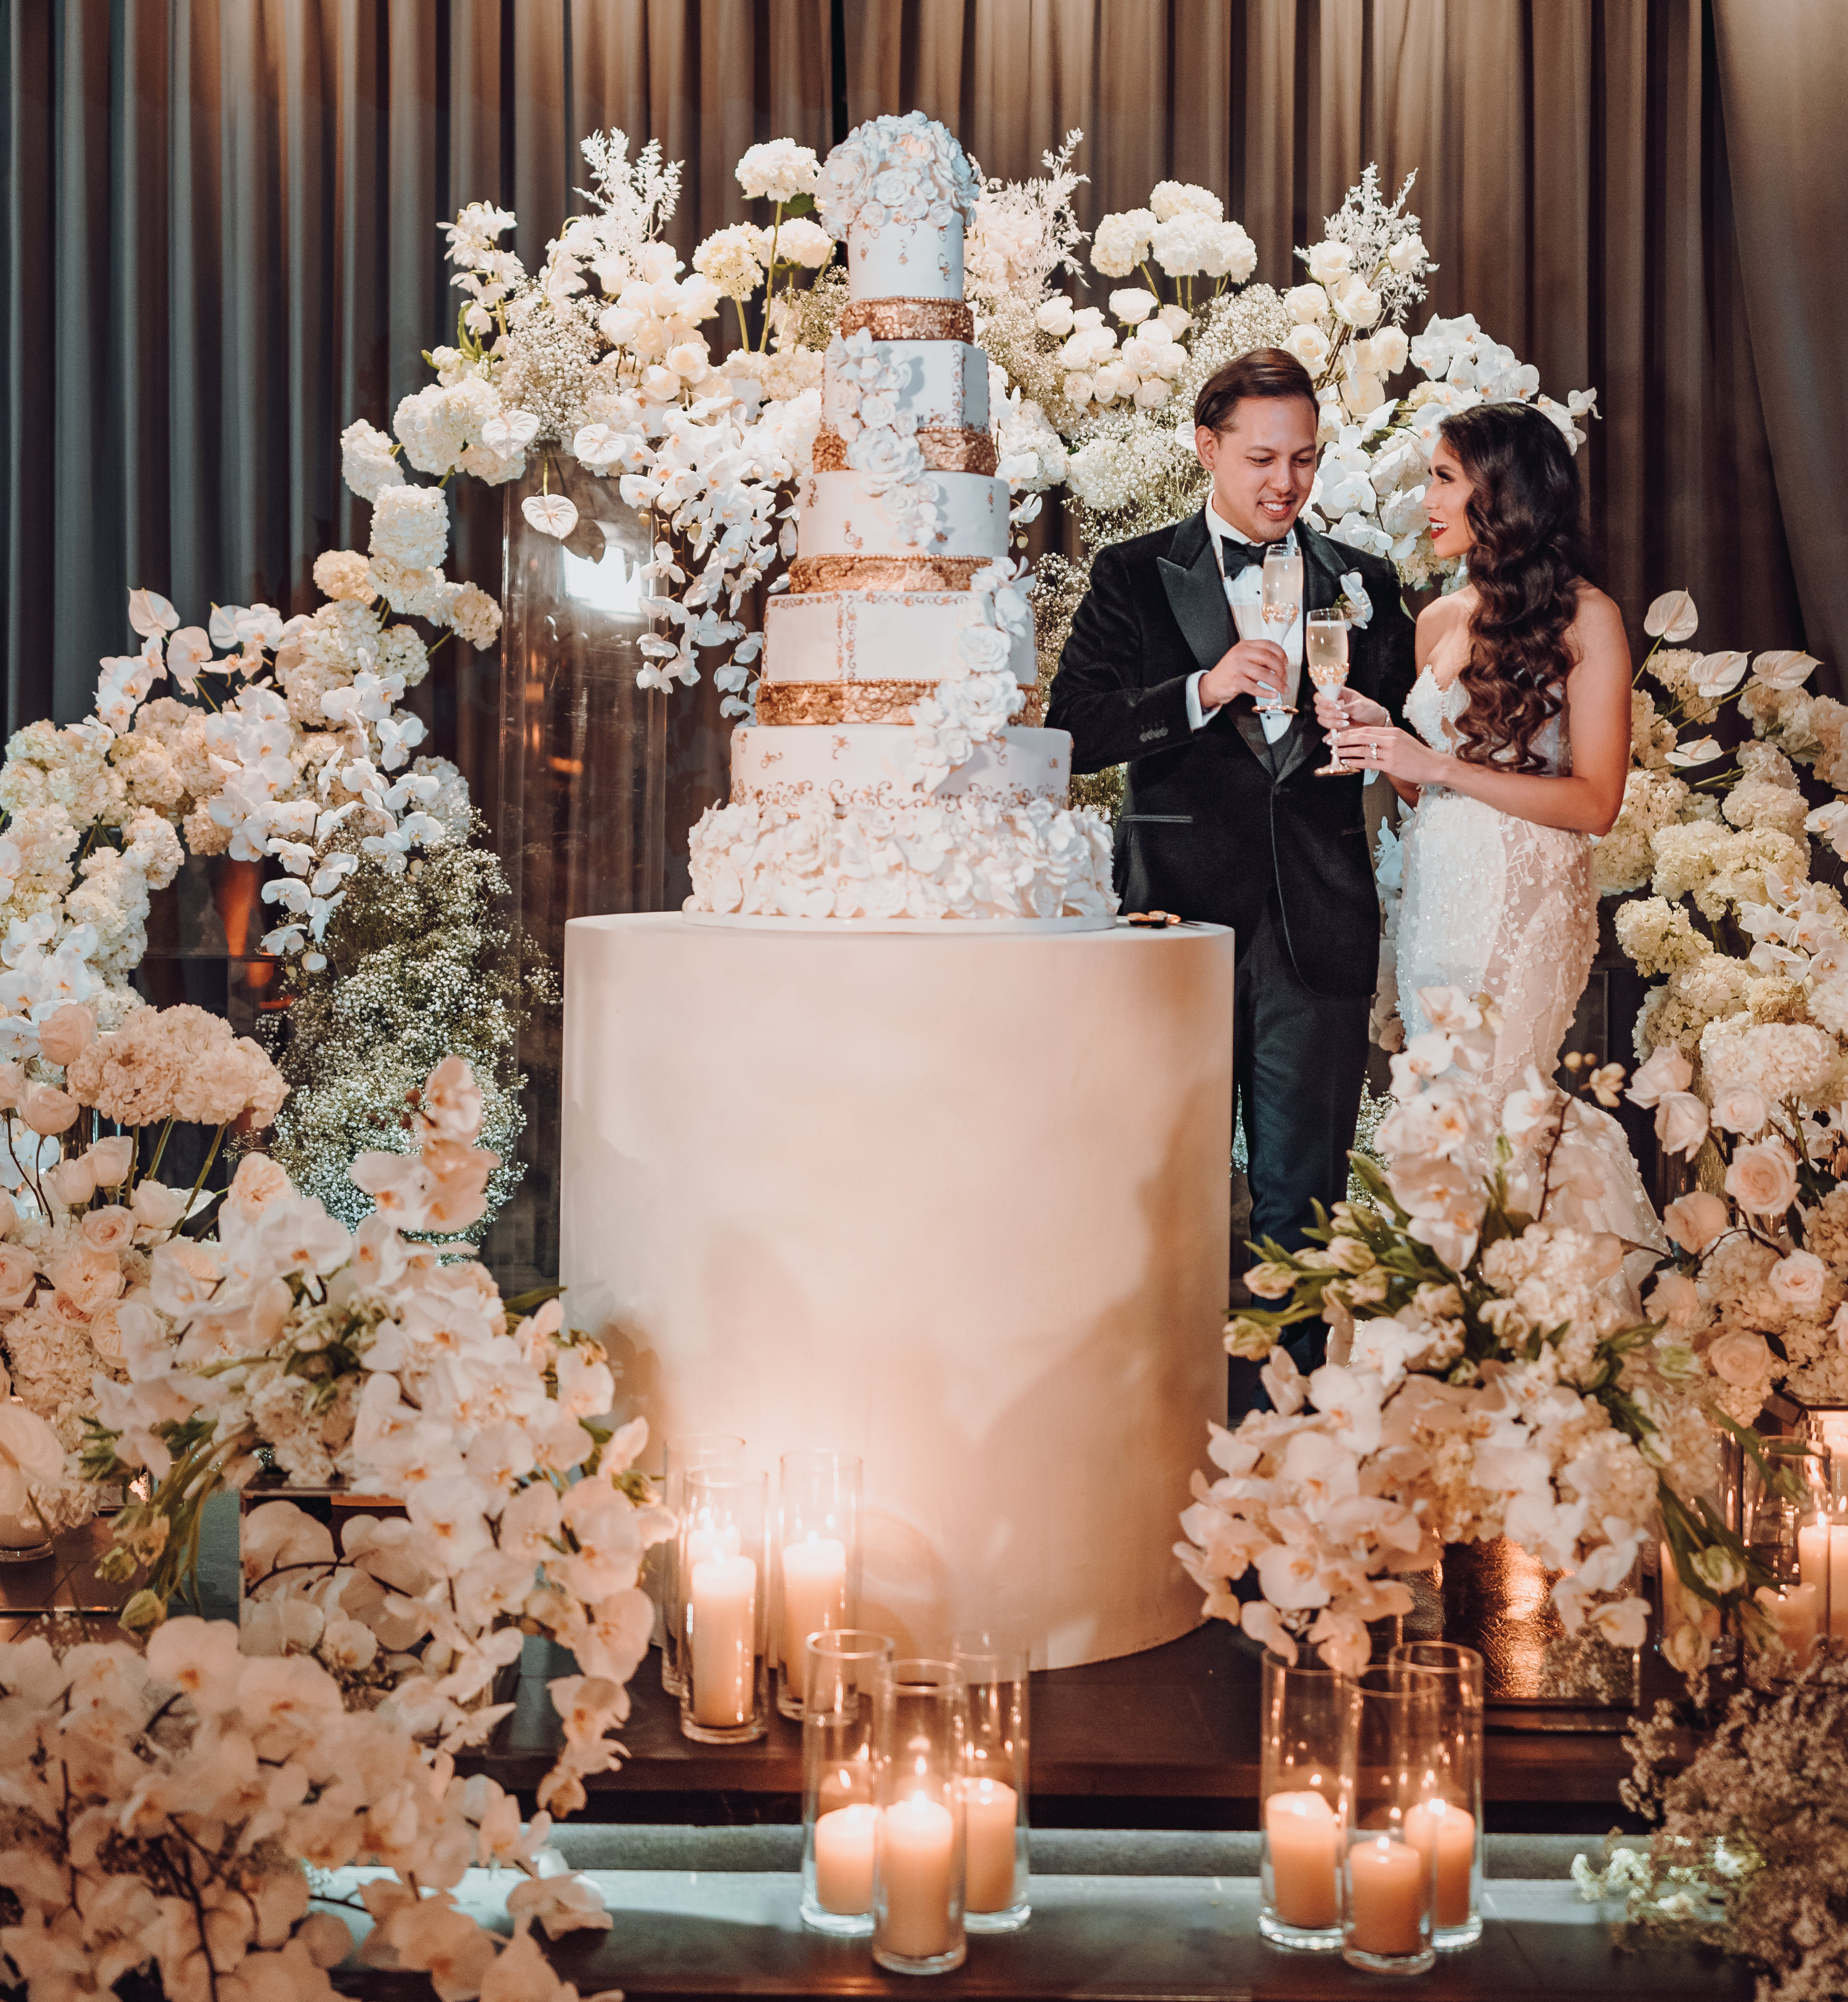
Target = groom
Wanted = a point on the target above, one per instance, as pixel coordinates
(1223, 818)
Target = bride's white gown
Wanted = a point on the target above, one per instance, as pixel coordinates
(1497, 905)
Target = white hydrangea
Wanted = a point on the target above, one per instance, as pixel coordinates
(778, 170)
(804, 243)
(437, 426)
(734, 259)
(367, 461)
(1122, 240)
(410, 525)
(1170, 199)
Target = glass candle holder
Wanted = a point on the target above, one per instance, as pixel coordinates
(724, 1696)
(1389, 1759)
(920, 1759)
(1305, 1713)
(1822, 1564)
(1449, 1825)
(818, 1559)
(996, 1670)
(840, 1816)
(681, 1457)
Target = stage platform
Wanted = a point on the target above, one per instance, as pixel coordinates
(1167, 1739)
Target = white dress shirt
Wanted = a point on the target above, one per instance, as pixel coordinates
(1246, 588)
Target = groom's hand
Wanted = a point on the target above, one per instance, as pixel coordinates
(1257, 668)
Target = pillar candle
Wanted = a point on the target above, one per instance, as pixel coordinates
(991, 1810)
(1445, 1835)
(815, 1596)
(1390, 1888)
(1305, 1840)
(844, 1858)
(1838, 1581)
(1795, 1614)
(721, 1593)
(917, 1843)
(1812, 1554)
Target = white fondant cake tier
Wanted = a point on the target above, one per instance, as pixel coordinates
(865, 764)
(826, 635)
(965, 1214)
(969, 856)
(943, 383)
(906, 260)
(839, 517)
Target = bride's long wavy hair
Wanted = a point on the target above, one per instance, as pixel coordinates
(1526, 561)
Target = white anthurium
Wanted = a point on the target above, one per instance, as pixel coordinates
(598, 445)
(1716, 675)
(1785, 667)
(551, 513)
(509, 431)
(1702, 751)
(150, 614)
(1671, 617)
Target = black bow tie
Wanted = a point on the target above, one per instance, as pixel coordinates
(1235, 555)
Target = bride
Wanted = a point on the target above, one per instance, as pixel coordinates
(1521, 710)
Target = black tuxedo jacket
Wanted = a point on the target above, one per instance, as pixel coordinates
(1216, 823)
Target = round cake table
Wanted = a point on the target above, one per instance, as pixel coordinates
(957, 1203)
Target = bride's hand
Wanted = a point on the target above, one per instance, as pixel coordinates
(1346, 709)
(1379, 748)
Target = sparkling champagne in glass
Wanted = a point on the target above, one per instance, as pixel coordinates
(1251, 619)
(1282, 594)
(1325, 647)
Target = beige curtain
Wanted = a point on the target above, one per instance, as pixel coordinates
(1578, 187)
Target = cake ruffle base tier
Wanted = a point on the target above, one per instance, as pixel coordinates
(967, 1217)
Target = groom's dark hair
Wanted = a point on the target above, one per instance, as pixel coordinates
(1268, 372)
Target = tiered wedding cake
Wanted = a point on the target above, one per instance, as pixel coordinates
(963, 1212)
(882, 780)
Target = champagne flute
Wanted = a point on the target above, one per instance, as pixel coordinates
(1250, 618)
(1282, 600)
(1325, 648)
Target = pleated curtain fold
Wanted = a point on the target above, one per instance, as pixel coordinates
(222, 241)
(1577, 188)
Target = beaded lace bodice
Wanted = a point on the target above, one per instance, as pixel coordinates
(1499, 905)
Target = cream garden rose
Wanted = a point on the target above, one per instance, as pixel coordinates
(1762, 1177)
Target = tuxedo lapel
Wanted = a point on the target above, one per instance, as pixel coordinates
(1321, 589)
(1189, 575)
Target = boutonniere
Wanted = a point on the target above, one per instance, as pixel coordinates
(1354, 604)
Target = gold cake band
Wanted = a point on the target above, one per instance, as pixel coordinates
(947, 448)
(910, 319)
(784, 702)
(844, 573)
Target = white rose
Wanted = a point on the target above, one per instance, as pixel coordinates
(1357, 303)
(1406, 254)
(1695, 1221)
(1390, 350)
(1055, 317)
(1133, 304)
(1799, 1279)
(1675, 1298)
(1762, 1178)
(1177, 320)
(1740, 1108)
(1741, 1358)
(1329, 262)
(1680, 1122)
(1309, 345)
(983, 650)
(1079, 388)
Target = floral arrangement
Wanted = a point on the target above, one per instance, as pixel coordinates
(168, 1809)
(363, 1354)
(1489, 1377)
(78, 1247)
(290, 748)
(1745, 1031)
(1750, 1853)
